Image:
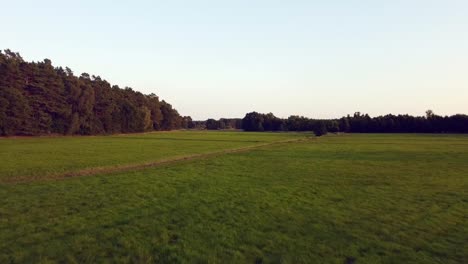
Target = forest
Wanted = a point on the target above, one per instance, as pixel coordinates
(357, 123)
(38, 98)
(360, 123)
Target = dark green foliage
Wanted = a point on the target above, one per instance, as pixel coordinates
(320, 128)
(358, 123)
(431, 123)
(14, 112)
(36, 98)
(253, 122)
(231, 123)
(187, 122)
(171, 118)
(212, 124)
(344, 124)
(299, 123)
(257, 122)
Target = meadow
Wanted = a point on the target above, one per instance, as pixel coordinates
(291, 198)
(44, 157)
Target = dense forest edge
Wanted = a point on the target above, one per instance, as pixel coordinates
(37, 98)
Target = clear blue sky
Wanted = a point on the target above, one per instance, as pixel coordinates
(214, 59)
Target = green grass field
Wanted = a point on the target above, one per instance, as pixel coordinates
(334, 199)
(39, 158)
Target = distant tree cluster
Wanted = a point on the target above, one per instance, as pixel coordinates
(223, 123)
(359, 123)
(36, 98)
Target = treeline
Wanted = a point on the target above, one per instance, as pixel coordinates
(359, 123)
(212, 124)
(37, 98)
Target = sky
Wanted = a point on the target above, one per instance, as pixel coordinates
(213, 59)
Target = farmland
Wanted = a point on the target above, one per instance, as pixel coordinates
(260, 198)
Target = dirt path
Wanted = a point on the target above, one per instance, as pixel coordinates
(139, 166)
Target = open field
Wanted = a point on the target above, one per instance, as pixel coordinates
(41, 158)
(335, 199)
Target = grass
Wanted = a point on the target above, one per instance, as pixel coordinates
(336, 199)
(39, 158)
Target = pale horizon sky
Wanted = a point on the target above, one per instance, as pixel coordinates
(212, 59)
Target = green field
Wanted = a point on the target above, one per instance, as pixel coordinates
(336, 199)
(41, 158)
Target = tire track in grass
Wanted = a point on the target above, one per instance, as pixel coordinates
(139, 166)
